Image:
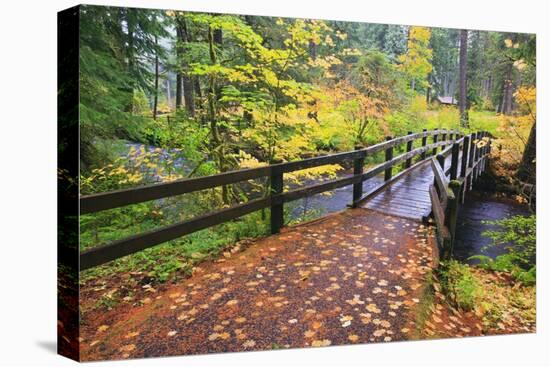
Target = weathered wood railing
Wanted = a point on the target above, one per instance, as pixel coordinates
(468, 162)
(275, 200)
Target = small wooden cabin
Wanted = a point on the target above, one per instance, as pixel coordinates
(448, 100)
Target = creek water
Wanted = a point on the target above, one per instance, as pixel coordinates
(477, 209)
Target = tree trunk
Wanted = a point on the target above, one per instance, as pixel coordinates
(156, 96)
(197, 88)
(218, 36)
(463, 90)
(508, 91)
(218, 146)
(168, 92)
(527, 167)
(188, 87)
(179, 54)
(428, 91)
(312, 50)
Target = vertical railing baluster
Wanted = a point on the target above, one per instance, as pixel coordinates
(451, 215)
(434, 152)
(408, 162)
(441, 159)
(389, 157)
(424, 141)
(476, 156)
(277, 213)
(443, 138)
(358, 164)
(464, 167)
(455, 151)
(471, 160)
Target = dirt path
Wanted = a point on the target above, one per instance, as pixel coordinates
(353, 277)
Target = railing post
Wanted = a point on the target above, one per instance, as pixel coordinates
(434, 152)
(409, 148)
(477, 155)
(485, 150)
(424, 141)
(471, 160)
(452, 215)
(389, 157)
(464, 167)
(455, 150)
(443, 138)
(441, 159)
(276, 180)
(465, 153)
(358, 164)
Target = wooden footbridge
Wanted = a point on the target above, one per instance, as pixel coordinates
(437, 169)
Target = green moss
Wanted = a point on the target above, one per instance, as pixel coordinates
(460, 285)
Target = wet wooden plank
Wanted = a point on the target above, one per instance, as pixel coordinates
(407, 197)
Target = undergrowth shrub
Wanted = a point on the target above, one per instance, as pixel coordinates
(460, 285)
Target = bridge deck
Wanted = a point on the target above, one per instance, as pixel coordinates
(407, 196)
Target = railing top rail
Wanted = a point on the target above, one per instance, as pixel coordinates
(118, 198)
(104, 253)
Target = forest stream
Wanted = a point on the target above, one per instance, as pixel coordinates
(470, 225)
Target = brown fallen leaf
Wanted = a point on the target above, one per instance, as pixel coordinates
(127, 348)
(309, 333)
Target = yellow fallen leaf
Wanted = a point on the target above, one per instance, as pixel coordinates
(320, 343)
(213, 336)
(353, 338)
(102, 328)
(371, 307)
(132, 334)
(127, 348)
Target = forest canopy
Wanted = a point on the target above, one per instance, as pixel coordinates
(167, 95)
(230, 90)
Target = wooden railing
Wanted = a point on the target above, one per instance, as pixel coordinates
(468, 162)
(275, 200)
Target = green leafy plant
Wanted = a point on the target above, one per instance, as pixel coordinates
(517, 235)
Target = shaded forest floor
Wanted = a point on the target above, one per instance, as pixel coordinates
(506, 307)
